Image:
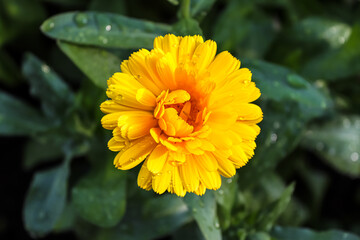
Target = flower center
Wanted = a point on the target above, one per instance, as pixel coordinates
(179, 115)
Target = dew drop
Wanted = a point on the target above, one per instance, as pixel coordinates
(45, 68)
(108, 28)
(273, 137)
(229, 180)
(103, 39)
(295, 81)
(354, 156)
(276, 125)
(81, 19)
(48, 26)
(217, 225)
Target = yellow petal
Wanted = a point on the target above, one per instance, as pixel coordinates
(204, 54)
(157, 158)
(161, 180)
(189, 174)
(134, 153)
(177, 184)
(145, 97)
(211, 180)
(226, 167)
(207, 161)
(223, 65)
(144, 178)
(116, 146)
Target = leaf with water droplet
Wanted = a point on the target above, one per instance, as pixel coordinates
(205, 215)
(91, 28)
(279, 99)
(96, 63)
(293, 233)
(45, 200)
(337, 142)
(225, 197)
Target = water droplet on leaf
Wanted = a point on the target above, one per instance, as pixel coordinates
(81, 19)
(296, 81)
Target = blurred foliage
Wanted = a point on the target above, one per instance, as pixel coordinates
(304, 56)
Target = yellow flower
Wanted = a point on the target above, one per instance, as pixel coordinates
(183, 110)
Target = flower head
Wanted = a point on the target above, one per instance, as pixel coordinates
(183, 110)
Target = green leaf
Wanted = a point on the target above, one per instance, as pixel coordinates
(103, 29)
(337, 63)
(199, 8)
(100, 196)
(142, 214)
(203, 209)
(225, 197)
(337, 142)
(40, 151)
(291, 233)
(45, 200)
(271, 213)
(249, 26)
(163, 206)
(315, 30)
(56, 97)
(96, 63)
(17, 118)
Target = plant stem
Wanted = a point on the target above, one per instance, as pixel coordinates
(185, 9)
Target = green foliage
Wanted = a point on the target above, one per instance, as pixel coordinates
(338, 143)
(103, 30)
(96, 63)
(45, 200)
(99, 197)
(280, 233)
(304, 57)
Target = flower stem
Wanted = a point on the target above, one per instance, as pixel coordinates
(185, 9)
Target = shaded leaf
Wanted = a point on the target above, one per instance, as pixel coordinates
(291, 233)
(338, 63)
(17, 118)
(187, 26)
(271, 213)
(45, 200)
(284, 93)
(36, 152)
(140, 222)
(337, 142)
(247, 38)
(199, 8)
(96, 63)
(203, 209)
(100, 196)
(56, 97)
(103, 29)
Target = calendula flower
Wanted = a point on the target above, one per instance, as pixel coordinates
(183, 110)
